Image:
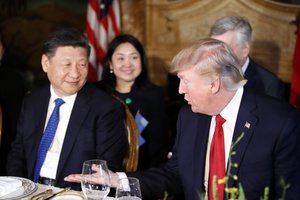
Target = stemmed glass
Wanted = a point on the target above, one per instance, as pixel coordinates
(128, 189)
(96, 181)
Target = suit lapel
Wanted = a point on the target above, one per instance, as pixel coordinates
(41, 108)
(80, 110)
(246, 121)
(251, 74)
(200, 141)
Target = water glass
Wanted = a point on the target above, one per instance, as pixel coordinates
(128, 189)
(96, 181)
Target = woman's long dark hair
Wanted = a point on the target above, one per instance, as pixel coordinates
(109, 78)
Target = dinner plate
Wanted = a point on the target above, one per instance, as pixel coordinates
(28, 187)
(69, 195)
(73, 195)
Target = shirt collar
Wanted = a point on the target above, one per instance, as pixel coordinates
(231, 110)
(67, 99)
(245, 66)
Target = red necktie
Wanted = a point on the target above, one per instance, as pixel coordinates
(217, 159)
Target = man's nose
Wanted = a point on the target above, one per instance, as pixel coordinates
(181, 88)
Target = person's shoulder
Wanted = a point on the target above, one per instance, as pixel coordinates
(151, 92)
(39, 91)
(95, 92)
(151, 88)
(267, 103)
(264, 72)
(104, 86)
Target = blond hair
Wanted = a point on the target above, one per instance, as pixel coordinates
(211, 58)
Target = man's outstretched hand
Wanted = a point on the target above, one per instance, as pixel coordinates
(77, 178)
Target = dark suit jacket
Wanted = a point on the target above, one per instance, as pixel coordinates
(264, 81)
(95, 130)
(269, 150)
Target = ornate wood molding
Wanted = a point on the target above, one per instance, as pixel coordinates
(171, 24)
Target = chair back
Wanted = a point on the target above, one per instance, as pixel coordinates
(130, 162)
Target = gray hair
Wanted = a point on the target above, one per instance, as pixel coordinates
(213, 59)
(238, 24)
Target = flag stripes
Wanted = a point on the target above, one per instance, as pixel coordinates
(102, 25)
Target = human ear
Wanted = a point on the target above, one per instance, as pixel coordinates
(246, 50)
(45, 62)
(215, 85)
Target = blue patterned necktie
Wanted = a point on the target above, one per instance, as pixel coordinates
(47, 138)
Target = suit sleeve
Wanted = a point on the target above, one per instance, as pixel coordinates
(156, 181)
(287, 159)
(111, 140)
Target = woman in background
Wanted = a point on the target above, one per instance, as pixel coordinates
(125, 76)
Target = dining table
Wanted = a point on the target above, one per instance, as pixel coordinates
(36, 191)
(42, 188)
(45, 192)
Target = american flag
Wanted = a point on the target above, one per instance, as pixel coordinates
(102, 25)
(247, 125)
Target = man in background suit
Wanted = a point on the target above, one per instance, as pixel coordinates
(91, 124)
(212, 82)
(236, 31)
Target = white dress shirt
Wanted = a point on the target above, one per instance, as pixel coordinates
(245, 66)
(49, 167)
(229, 113)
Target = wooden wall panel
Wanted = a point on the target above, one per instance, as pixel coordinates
(171, 24)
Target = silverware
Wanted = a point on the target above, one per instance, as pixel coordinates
(54, 194)
(40, 196)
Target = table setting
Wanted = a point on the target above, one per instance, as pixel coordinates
(95, 186)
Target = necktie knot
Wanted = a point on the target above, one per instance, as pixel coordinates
(219, 120)
(59, 102)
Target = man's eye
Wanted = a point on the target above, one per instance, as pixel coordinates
(67, 64)
(82, 65)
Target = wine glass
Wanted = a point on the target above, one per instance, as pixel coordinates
(128, 189)
(95, 183)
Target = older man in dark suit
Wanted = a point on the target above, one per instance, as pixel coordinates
(236, 31)
(90, 124)
(263, 132)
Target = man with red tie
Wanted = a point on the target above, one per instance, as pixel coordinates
(219, 113)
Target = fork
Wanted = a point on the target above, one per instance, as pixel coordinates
(42, 195)
(54, 194)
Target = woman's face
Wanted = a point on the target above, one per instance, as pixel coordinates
(126, 63)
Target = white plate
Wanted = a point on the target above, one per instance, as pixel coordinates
(28, 187)
(68, 197)
(74, 195)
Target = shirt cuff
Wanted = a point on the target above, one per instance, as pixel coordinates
(122, 175)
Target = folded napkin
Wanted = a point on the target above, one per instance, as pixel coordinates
(9, 185)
